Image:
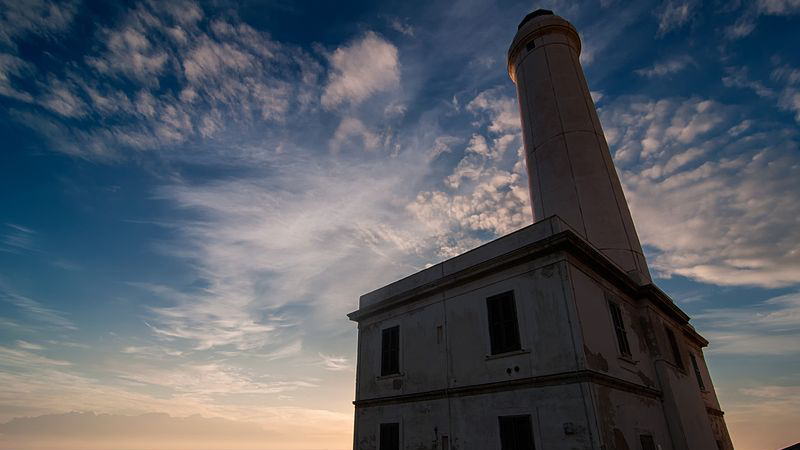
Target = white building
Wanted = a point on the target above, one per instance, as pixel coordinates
(552, 337)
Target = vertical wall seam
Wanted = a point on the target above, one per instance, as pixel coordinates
(566, 146)
(532, 155)
(620, 212)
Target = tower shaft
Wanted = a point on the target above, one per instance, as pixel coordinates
(570, 170)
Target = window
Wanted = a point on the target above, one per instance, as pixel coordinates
(673, 343)
(503, 327)
(647, 442)
(516, 433)
(390, 351)
(390, 436)
(619, 328)
(697, 371)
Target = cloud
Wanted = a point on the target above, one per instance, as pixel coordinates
(35, 310)
(741, 28)
(786, 74)
(130, 52)
(673, 14)
(16, 239)
(710, 206)
(738, 77)
(361, 69)
(25, 345)
(40, 17)
(204, 380)
(272, 250)
(23, 359)
(485, 192)
(334, 363)
(402, 27)
(778, 7)
(771, 327)
(786, 93)
(501, 109)
(747, 21)
(349, 128)
(112, 104)
(61, 98)
(666, 67)
(13, 67)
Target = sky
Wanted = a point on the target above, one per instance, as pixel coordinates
(194, 195)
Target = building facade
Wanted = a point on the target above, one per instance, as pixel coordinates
(552, 337)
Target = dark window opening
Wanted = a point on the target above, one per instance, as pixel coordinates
(697, 371)
(619, 328)
(390, 436)
(503, 327)
(390, 351)
(516, 433)
(647, 442)
(445, 443)
(673, 343)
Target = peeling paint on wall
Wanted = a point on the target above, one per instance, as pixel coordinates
(595, 360)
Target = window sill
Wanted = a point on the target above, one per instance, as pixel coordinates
(628, 359)
(390, 376)
(507, 354)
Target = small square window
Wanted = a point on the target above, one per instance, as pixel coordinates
(503, 326)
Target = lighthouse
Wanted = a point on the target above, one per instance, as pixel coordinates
(553, 336)
(570, 170)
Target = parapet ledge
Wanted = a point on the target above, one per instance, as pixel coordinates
(500, 246)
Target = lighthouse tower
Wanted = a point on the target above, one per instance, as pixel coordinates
(570, 170)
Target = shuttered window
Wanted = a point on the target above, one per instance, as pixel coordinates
(390, 351)
(516, 433)
(673, 343)
(697, 373)
(390, 436)
(619, 328)
(647, 442)
(503, 326)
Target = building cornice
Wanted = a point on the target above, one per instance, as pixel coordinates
(559, 379)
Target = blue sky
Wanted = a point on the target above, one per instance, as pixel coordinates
(195, 194)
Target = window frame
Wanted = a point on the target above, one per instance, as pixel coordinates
(673, 343)
(504, 335)
(390, 357)
(697, 373)
(514, 421)
(618, 323)
(647, 442)
(383, 428)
